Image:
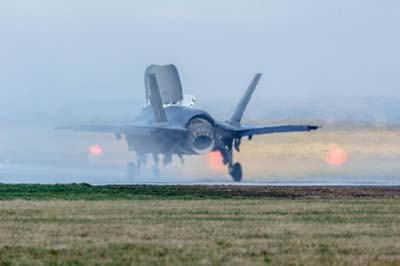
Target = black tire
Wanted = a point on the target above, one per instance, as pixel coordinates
(236, 172)
(131, 170)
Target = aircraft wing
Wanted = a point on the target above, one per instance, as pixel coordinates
(259, 130)
(136, 130)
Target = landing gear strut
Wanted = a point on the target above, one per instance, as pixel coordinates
(133, 170)
(234, 169)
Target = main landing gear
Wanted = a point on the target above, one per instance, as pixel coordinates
(234, 169)
(236, 172)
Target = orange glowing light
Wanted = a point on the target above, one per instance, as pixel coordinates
(215, 161)
(95, 150)
(336, 156)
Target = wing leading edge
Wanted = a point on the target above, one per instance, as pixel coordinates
(135, 130)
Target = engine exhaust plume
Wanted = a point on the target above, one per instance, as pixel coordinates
(95, 150)
(336, 156)
(215, 161)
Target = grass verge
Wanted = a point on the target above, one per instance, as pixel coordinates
(186, 192)
(201, 232)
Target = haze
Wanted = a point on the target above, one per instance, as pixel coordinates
(67, 62)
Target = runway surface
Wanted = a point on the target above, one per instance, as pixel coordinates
(44, 174)
(205, 181)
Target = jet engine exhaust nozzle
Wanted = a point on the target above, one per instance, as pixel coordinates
(200, 137)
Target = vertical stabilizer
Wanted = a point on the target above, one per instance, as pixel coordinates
(241, 107)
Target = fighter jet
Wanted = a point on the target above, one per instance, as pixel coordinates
(169, 125)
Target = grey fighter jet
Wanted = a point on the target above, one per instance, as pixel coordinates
(169, 125)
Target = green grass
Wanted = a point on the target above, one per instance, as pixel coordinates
(201, 232)
(110, 192)
(80, 224)
(185, 192)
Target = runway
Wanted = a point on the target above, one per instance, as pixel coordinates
(44, 174)
(292, 182)
(206, 181)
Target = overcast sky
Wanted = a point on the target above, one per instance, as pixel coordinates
(71, 61)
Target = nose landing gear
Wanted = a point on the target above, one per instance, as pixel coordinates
(134, 169)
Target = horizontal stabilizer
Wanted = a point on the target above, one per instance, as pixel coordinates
(260, 130)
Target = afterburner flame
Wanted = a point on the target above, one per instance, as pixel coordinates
(336, 156)
(215, 161)
(95, 150)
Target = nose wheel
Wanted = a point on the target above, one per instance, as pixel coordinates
(133, 170)
(236, 172)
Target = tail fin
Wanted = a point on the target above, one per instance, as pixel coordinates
(155, 100)
(241, 107)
